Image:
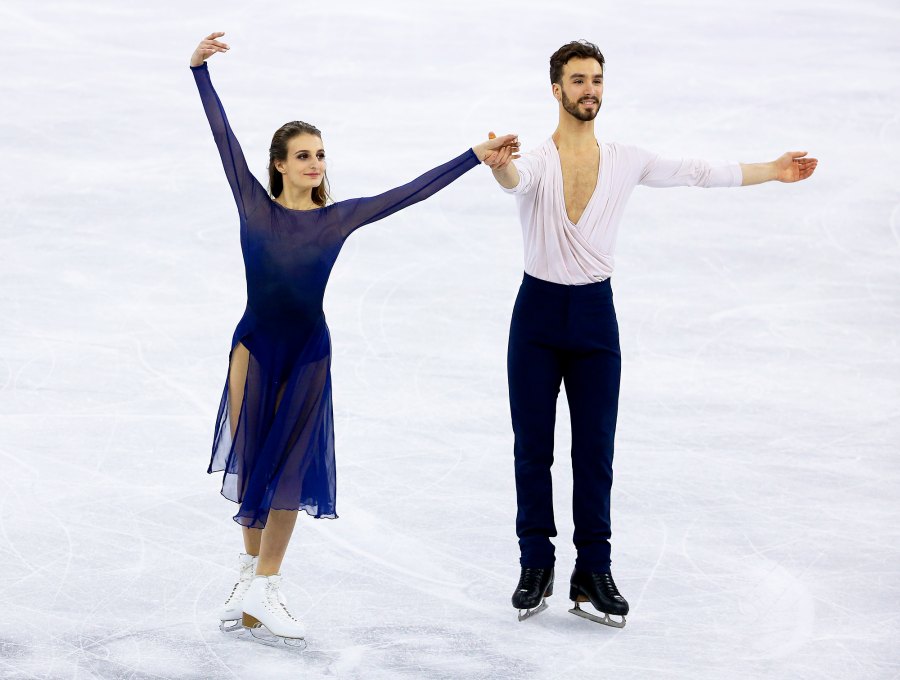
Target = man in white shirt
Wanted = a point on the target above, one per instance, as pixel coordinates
(571, 193)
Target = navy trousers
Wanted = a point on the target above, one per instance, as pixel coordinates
(564, 333)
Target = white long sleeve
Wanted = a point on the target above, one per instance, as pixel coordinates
(575, 254)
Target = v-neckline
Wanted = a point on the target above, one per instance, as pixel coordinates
(562, 192)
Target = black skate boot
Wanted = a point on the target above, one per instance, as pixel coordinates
(534, 585)
(600, 590)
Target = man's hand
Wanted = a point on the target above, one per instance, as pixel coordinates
(509, 143)
(497, 160)
(789, 167)
(792, 166)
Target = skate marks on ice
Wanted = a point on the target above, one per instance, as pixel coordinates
(152, 653)
(174, 651)
(376, 652)
(425, 568)
(777, 611)
(426, 651)
(14, 655)
(749, 607)
(767, 603)
(390, 651)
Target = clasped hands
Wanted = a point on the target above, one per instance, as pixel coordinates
(497, 152)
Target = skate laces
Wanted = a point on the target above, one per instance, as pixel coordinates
(247, 572)
(605, 582)
(531, 578)
(273, 592)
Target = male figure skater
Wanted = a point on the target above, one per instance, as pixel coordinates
(571, 192)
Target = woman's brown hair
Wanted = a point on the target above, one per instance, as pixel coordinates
(278, 152)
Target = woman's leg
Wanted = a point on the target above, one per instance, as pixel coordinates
(275, 539)
(252, 540)
(272, 541)
(237, 379)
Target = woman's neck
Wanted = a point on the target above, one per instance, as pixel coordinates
(296, 199)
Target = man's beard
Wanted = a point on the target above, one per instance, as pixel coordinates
(572, 108)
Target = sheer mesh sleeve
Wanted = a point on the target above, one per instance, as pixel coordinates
(248, 192)
(360, 211)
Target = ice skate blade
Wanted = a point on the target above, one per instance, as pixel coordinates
(259, 633)
(528, 613)
(231, 625)
(604, 619)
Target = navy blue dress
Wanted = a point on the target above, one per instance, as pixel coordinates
(282, 453)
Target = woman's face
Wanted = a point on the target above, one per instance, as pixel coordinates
(304, 167)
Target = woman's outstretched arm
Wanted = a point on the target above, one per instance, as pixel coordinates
(360, 211)
(248, 192)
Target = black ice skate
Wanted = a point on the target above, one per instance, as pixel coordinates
(534, 586)
(600, 590)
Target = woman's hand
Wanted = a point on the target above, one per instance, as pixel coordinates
(497, 149)
(497, 160)
(208, 47)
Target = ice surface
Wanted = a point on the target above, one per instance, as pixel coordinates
(755, 507)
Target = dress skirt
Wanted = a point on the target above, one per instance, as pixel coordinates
(281, 455)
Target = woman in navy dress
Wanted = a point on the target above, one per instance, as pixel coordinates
(274, 434)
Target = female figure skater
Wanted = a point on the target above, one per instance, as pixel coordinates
(274, 431)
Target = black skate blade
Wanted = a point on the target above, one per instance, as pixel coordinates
(603, 618)
(231, 625)
(259, 633)
(528, 613)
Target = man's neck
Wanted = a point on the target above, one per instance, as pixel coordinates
(574, 134)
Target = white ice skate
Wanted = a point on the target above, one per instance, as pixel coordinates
(266, 615)
(231, 612)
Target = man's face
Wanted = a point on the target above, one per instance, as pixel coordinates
(581, 92)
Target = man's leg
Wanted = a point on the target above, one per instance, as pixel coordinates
(592, 387)
(534, 373)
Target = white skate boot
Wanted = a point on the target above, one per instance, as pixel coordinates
(267, 617)
(230, 613)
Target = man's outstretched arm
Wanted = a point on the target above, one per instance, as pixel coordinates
(789, 167)
(505, 172)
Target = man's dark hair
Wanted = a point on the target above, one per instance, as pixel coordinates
(577, 49)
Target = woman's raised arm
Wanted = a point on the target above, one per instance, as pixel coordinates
(248, 192)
